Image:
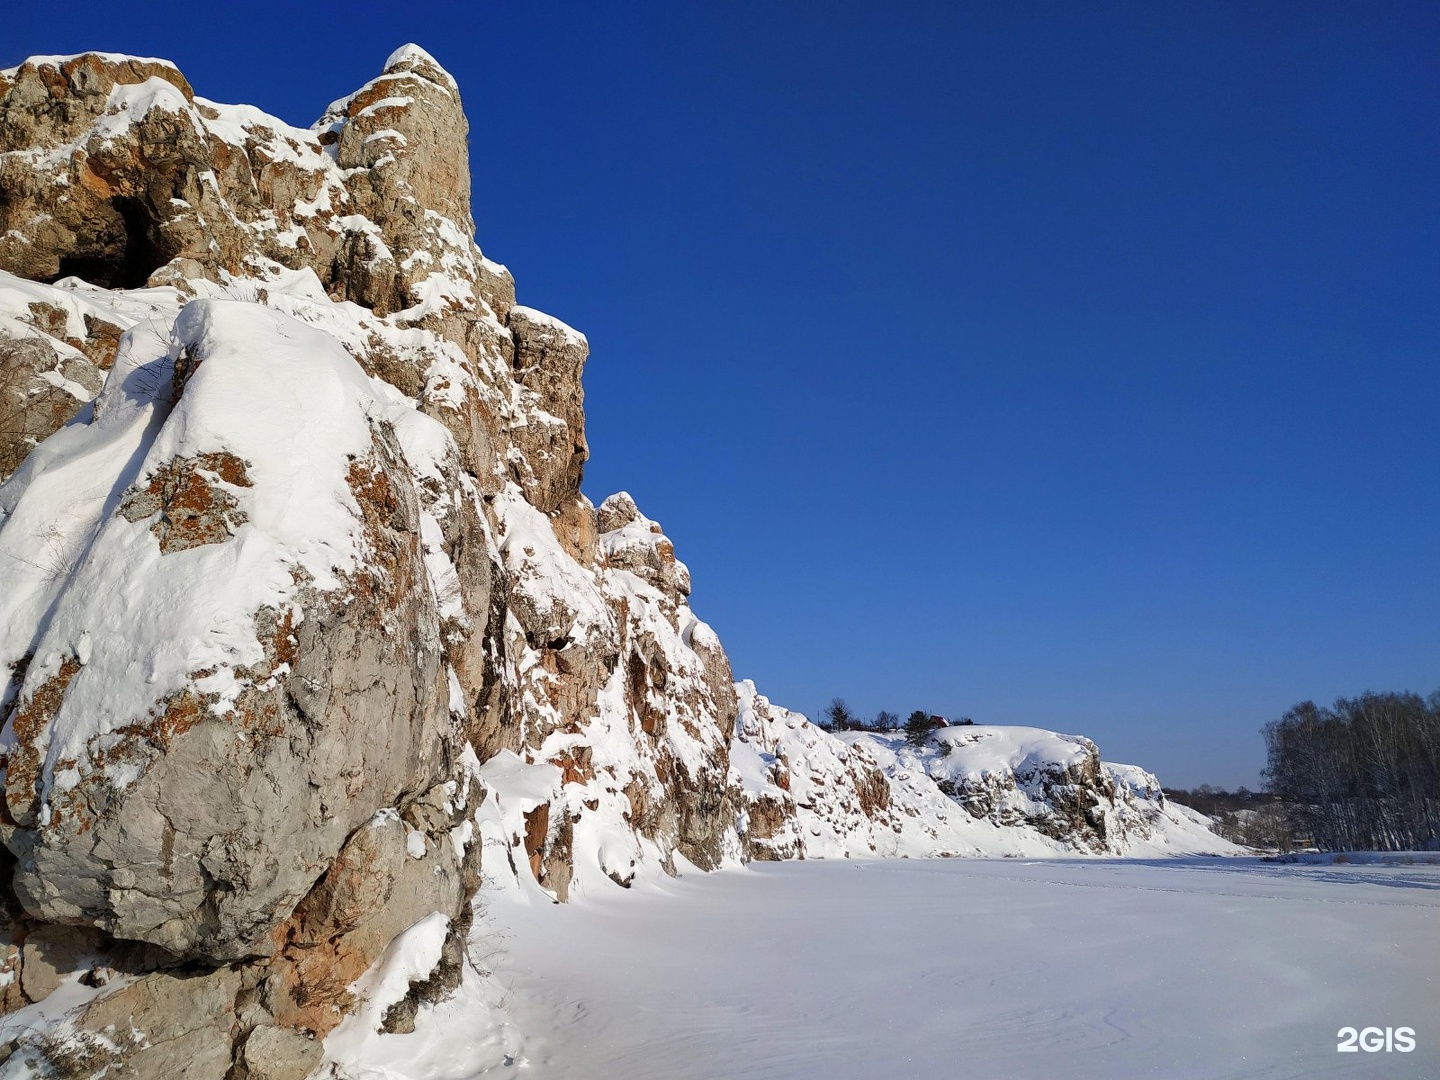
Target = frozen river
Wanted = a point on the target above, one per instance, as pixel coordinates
(965, 968)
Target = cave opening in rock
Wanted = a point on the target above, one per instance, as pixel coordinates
(123, 251)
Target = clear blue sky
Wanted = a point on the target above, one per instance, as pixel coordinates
(1048, 363)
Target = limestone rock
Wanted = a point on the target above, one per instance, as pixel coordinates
(805, 793)
(127, 140)
(54, 100)
(521, 629)
(164, 1024)
(273, 1053)
(631, 541)
(406, 133)
(55, 347)
(200, 820)
(36, 395)
(549, 357)
(296, 563)
(50, 953)
(630, 704)
(112, 170)
(393, 872)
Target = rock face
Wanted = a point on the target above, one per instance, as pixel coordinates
(305, 546)
(55, 349)
(192, 809)
(112, 168)
(622, 758)
(253, 627)
(301, 604)
(1043, 792)
(809, 795)
(973, 790)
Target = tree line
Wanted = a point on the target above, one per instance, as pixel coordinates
(1363, 774)
(1214, 801)
(1253, 818)
(838, 716)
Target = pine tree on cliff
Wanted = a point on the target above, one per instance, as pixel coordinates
(918, 727)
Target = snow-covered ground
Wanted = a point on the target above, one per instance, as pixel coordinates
(950, 968)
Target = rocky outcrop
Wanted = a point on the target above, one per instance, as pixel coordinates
(114, 172)
(55, 348)
(148, 173)
(301, 595)
(197, 809)
(283, 791)
(806, 794)
(971, 790)
(1050, 783)
(627, 707)
(247, 778)
(1029, 791)
(549, 357)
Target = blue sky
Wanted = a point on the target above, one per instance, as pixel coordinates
(1062, 364)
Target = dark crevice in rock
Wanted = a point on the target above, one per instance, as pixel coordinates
(124, 251)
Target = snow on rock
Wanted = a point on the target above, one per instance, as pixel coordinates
(247, 585)
(112, 169)
(307, 546)
(55, 346)
(806, 793)
(303, 613)
(1057, 785)
(618, 764)
(631, 541)
(205, 580)
(410, 958)
(1049, 793)
(974, 791)
(1152, 825)
(551, 448)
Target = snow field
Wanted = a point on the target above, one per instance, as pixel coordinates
(930, 969)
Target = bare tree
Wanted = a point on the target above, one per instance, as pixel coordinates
(1364, 774)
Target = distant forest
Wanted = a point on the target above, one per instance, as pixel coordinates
(1361, 775)
(1253, 818)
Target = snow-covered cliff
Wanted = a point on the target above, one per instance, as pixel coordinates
(973, 790)
(303, 613)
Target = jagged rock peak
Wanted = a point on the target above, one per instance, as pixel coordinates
(90, 74)
(408, 125)
(412, 57)
(631, 541)
(112, 169)
(617, 511)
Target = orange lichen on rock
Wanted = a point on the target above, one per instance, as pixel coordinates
(194, 509)
(382, 515)
(28, 720)
(537, 828)
(575, 764)
(179, 713)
